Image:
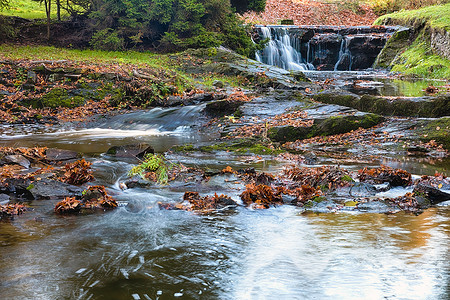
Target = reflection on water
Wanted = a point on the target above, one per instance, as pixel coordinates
(244, 255)
(376, 83)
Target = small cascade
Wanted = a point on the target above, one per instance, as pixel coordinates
(322, 48)
(281, 50)
(344, 62)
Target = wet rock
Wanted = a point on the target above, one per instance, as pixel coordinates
(218, 84)
(55, 155)
(170, 101)
(18, 160)
(434, 194)
(138, 182)
(417, 151)
(379, 207)
(435, 130)
(227, 62)
(310, 158)
(31, 77)
(4, 198)
(382, 187)
(52, 189)
(357, 189)
(199, 98)
(221, 108)
(56, 77)
(19, 186)
(133, 150)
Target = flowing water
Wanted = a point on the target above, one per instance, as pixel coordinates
(141, 252)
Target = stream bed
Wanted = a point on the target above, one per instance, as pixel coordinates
(139, 251)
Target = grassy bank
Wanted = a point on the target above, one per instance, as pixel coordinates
(433, 16)
(417, 58)
(125, 60)
(29, 10)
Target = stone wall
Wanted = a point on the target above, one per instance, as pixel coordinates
(440, 43)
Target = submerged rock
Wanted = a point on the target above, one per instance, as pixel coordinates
(133, 150)
(55, 155)
(52, 189)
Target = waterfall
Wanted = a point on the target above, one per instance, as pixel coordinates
(322, 48)
(280, 50)
(345, 57)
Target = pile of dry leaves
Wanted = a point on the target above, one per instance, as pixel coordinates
(313, 12)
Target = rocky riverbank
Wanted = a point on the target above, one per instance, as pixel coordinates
(275, 115)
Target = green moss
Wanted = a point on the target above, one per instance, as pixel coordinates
(184, 148)
(343, 124)
(347, 178)
(243, 146)
(289, 133)
(308, 204)
(300, 76)
(351, 203)
(319, 199)
(58, 97)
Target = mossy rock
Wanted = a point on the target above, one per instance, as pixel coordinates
(300, 76)
(437, 130)
(289, 133)
(394, 46)
(324, 127)
(344, 99)
(344, 124)
(427, 107)
(57, 97)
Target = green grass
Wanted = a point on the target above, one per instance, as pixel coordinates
(29, 9)
(435, 16)
(15, 52)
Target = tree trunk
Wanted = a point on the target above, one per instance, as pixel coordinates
(58, 9)
(48, 4)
